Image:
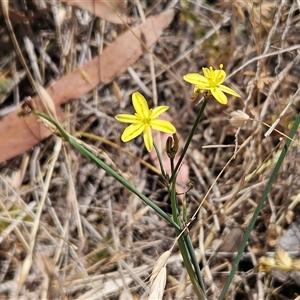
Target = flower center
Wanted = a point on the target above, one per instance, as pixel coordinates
(215, 77)
(145, 121)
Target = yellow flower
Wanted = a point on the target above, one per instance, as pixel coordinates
(143, 121)
(211, 81)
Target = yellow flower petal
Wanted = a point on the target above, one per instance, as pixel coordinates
(220, 76)
(158, 111)
(228, 90)
(140, 105)
(207, 72)
(211, 81)
(143, 121)
(219, 95)
(200, 81)
(132, 131)
(148, 140)
(162, 125)
(127, 118)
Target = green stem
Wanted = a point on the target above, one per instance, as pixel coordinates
(259, 207)
(172, 165)
(183, 247)
(189, 139)
(194, 260)
(105, 167)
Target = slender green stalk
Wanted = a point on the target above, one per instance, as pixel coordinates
(191, 249)
(259, 207)
(183, 241)
(163, 172)
(175, 212)
(105, 167)
(183, 247)
(189, 139)
(172, 165)
(194, 260)
(184, 212)
(188, 246)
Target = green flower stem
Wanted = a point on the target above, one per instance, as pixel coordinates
(183, 247)
(172, 165)
(184, 212)
(259, 206)
(184, 241)
(187, 238)
(105, 167)
(163, 172)
(189, 139)
(194, 260)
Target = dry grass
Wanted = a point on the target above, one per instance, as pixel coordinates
(69, 231)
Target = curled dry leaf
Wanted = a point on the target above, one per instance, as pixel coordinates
(117, 92)
(158, 277)
(238, 118)
(158, 285)
(160, 263)
(17, 135)
(47, 101)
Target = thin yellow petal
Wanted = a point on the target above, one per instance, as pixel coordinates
(219, 95)
(127, 118)
(140, 105)
(206, 72)
(148, 140)
(158, 111)
(220, 76)
(199, 80)
(228, 90)
(132, 131)
(162, 125)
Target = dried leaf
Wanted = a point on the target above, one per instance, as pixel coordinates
(231, 239)
(160, 263)
(106, 10)
(238, 118)
(84, 75)
(116, 91)
(238, 10)
(263, 80)
(158, 286)
(47, 101)
(18, 135)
